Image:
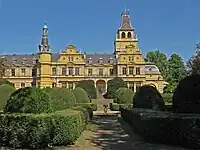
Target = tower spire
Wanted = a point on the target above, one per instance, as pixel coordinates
(44, 46)
(125, 21)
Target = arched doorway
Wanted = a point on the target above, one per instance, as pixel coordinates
(101, 86)
(153, 85)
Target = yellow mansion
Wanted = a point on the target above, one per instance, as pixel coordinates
(66, 69)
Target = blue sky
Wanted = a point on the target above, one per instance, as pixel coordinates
(168, 25)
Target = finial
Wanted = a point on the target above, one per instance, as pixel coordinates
(125, 11)
(45, 25)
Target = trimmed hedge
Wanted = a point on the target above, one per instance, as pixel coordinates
(81, 95)
(28, 100)
(117, 107)
(165, 127)
(186, 97)
(167, 97)
(5, 91)
(114, 85)
(87, 105)
(89, 87)
(148, 97)
(37, 131)
(62, 98)
(124, 96)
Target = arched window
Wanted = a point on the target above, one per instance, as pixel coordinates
(22, 85)
(123, 35)
(129, 35)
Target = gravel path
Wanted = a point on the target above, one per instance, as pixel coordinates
(110, 133)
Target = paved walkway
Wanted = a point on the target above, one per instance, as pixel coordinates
(112, 133)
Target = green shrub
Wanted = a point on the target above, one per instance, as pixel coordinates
(28, 100)
(117, 107)
(88, 105)
(124, 96)
(81, 95)
(5, 92)
(47, 90)
(148, 97)
(4, 81)
(62, 98)
(167, 97)
(186, 97)
(36, 131)
(114, 85)
(164, 127)
(89, 87)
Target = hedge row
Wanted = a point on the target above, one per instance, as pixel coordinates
(117, 107)
(40, 130)
(87, 105)
(166, 127)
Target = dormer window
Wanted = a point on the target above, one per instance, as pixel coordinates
(111, 60)
(34, 60)
(90, 60)
(100, 60)
(24, 60)
(14, 60)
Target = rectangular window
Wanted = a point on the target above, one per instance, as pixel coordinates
(54, 71)
(124, 71)
(13, 72)
(131, 70)
(70, 70)
(111, 71)
(23, 71)
(77, 71)
(137, 71)
(101, 72)
(138, 85)
(33, 72)
(70, 85)
(64, 71)
(64, 84)
(90, 72)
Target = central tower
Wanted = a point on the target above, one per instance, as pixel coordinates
(125, 34)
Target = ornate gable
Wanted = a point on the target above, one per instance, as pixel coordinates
(70, 55)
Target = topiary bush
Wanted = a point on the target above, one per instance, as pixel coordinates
(148, 97)
(5, 91)
(62, 98)
(186, 97)
(114, 85)
(81, 95)
(167, 97)
(28, 100)
(124, 96)
(89, 87)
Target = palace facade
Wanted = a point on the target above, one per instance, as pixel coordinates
(67, 68)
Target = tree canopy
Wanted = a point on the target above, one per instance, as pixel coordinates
(172, 68)
(114, 85)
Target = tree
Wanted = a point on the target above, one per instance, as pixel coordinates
(173, 69)
(177, 69)
(176, 72)
(193, 65)
(114, 85)
(160, 60)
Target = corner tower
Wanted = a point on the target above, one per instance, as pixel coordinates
(44, 68)
(125, 34)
